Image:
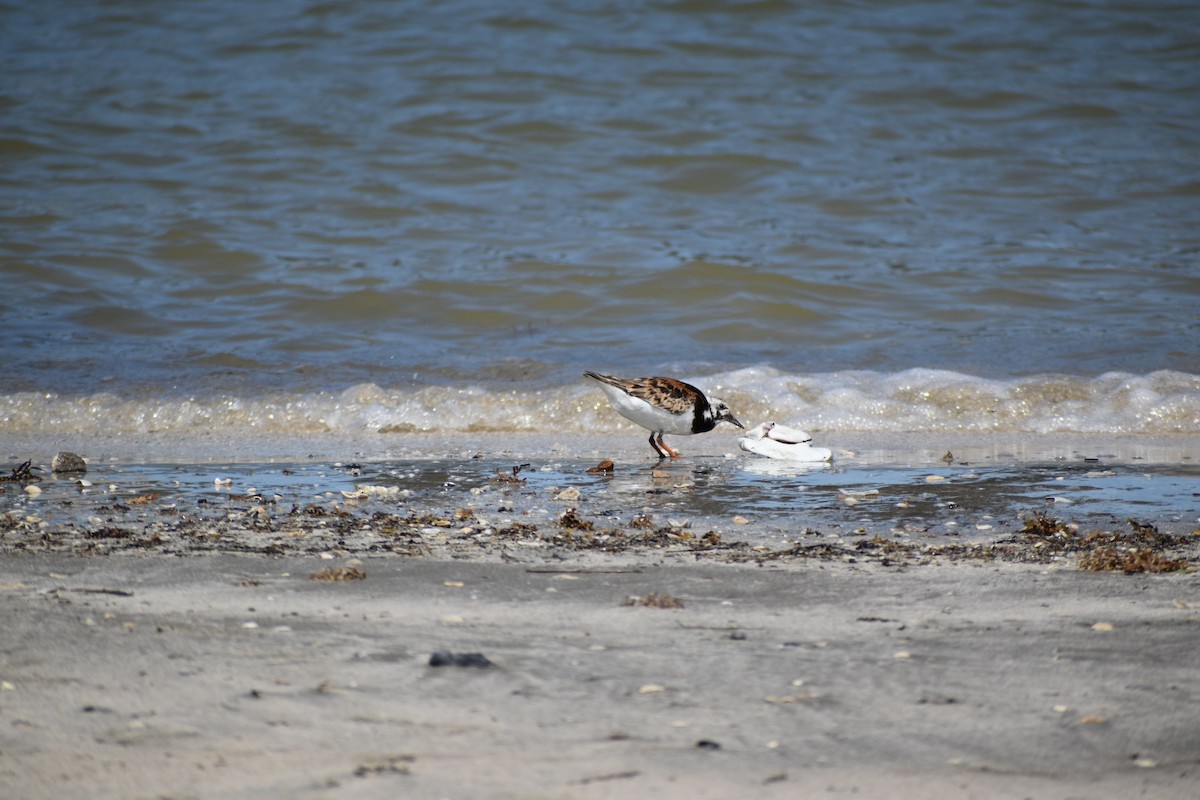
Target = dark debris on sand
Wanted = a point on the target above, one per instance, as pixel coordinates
(250, 524)
(445, 658)
(338, 574)
(22, 473)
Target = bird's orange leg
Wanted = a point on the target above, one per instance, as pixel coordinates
(673, 453)
(661, 454)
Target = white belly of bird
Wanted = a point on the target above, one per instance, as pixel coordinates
(649, 417)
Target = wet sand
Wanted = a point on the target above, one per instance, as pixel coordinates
(628, 445)
(187, 653)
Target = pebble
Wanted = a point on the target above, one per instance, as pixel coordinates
(68, 462)
(33, 490)
(852, 497)
(365, 491)
(570, 493)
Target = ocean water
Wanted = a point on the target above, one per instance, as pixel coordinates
(310, 216)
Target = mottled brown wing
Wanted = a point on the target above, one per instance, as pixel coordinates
(673, 395)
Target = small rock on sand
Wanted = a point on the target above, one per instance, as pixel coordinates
(68, 462)
(444, 658)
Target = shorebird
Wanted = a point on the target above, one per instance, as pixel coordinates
(664, 405)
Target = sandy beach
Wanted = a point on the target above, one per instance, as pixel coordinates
(236, 676)
(312, 290)
(164, 649)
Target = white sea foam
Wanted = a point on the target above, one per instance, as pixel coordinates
(936, 400)
(913, 400)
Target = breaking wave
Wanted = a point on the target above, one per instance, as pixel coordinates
(914, 400)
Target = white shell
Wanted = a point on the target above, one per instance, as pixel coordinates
(782, 433)
(781, 442)
(758, 431)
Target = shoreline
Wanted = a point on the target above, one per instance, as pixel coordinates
(165, 636)
(629, 445)
(893, 500)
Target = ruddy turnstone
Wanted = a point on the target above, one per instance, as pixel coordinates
(664, 405)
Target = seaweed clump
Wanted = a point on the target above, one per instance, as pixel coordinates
(1041, 525)
(1109, 559)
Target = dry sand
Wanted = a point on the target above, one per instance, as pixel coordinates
(239, 676)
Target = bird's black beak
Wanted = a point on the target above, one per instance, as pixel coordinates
(730, 418)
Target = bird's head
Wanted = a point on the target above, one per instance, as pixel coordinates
(720, 411)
